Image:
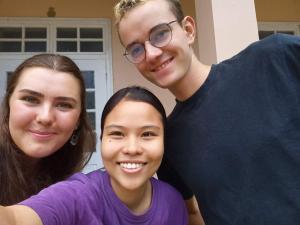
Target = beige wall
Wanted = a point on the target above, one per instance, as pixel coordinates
(225, 28)
(123, 72)
(278, 10)
(63, 8)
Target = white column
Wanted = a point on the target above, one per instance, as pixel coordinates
(224, 28)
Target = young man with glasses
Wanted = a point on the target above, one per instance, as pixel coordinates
(233, 138)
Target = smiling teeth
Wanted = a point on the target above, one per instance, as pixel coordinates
(131, 165)
(162, 66)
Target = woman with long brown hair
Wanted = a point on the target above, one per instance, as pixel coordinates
(44, 131)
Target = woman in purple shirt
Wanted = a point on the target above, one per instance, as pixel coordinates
(133, 130)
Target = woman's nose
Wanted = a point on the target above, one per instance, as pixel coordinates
(45, 115)
(132, 146)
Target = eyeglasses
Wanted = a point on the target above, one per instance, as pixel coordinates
(159, 36)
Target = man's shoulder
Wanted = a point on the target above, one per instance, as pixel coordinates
(284, 38)
(267, 49)
(276, 42)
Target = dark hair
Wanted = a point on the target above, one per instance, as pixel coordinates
(19, 180)
(133, 93)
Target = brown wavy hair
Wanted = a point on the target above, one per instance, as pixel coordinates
(19, 176)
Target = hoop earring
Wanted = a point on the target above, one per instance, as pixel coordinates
(74, 138)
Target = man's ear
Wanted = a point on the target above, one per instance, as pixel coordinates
(189, 26)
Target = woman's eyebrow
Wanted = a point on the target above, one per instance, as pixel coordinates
(38, 94)
(28, 91)
(64, 98)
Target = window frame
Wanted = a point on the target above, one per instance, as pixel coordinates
(276, 27)
(51, 24)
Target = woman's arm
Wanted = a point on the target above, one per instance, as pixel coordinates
(6, 216)
(19, 215)
(195, 217)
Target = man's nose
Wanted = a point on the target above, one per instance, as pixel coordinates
(151, 52)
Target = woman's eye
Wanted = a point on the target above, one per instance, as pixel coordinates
(30, 99)
(148, 134)
(116, 133)
(64, 105)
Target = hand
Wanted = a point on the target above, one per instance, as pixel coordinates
(195, 217)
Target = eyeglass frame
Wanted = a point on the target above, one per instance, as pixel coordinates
(126, 53)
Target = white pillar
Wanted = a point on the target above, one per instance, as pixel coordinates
(224, 28)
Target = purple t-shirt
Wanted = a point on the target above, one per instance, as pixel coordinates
(90, 200)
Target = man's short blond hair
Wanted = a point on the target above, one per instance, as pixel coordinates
(124, 6)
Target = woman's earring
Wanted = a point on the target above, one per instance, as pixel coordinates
(74, 138)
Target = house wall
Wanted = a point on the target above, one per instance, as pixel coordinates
(278, 10)
(123, 72)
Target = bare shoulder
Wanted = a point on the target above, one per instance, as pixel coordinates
(23, 215)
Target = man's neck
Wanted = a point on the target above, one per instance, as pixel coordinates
(192, 81)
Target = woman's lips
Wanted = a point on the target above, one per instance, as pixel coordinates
(42, 134)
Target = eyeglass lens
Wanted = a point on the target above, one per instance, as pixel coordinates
(159, 37)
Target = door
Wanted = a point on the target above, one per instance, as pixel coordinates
(6, 67)
(97, 95)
